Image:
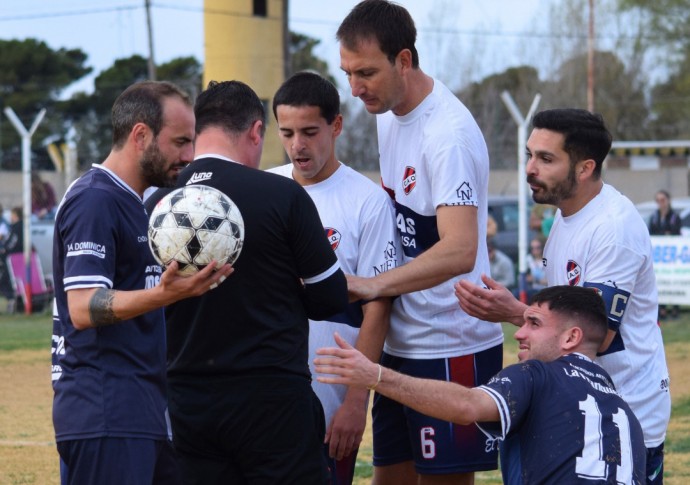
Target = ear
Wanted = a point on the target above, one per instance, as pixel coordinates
(405, 59)
(337, 126)
(140, 136)
(585, 169)
(572, 338)
(255, 132)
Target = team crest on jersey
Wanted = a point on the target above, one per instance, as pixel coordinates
(333, 237)
(574, 272)
(409, 180)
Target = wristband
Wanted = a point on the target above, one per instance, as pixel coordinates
(378, 379)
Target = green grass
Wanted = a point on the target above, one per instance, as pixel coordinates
(25, 332)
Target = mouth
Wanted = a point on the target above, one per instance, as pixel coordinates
(302, 161)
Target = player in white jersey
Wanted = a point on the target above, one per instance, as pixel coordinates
(598, 240)
(434, 164)
(358, 220)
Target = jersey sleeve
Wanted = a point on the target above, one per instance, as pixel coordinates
(325, 287)
(87, 232)
(454, 175)
(512, 390)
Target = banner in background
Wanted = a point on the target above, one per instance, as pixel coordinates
(671, 256)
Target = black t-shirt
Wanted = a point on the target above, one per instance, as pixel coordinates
(256, 322)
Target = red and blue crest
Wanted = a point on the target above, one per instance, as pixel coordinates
(409, 180)
(574, 272)
(333, 237)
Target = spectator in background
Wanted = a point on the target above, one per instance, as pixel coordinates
(541, 218)
(15, 239)
(536, 273)
(665, 222)
(502, 267)
(43, 201)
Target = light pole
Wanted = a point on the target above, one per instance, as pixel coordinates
(26, 181)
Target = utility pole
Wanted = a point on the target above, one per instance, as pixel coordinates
(152, 65)
(522, 123)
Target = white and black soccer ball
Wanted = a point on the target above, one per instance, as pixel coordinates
(194, 225)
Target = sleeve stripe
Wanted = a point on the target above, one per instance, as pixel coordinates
(320, 277)
(503, 411)
(87, 281)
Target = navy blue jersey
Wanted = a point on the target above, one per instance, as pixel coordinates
(256, 322)
(108, 381)
(563, 422)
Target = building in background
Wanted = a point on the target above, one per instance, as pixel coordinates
(244, 40)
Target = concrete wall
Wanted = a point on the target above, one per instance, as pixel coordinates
(637, 185)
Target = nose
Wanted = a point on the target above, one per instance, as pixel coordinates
(530, 166)
(187, 155)
(297, 142)
(357, 86)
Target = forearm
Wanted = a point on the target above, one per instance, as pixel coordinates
(102, 306)
(443, 400)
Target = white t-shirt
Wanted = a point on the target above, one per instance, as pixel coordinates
(435, 156)
(357, 216)
(606, 245)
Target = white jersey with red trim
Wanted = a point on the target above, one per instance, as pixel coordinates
(606, 246)
(435, 156)
(357, 216)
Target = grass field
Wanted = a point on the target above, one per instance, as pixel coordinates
(27, 447)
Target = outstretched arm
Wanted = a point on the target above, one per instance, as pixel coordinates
(454, 254)
(444, 400)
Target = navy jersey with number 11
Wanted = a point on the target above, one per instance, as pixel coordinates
(563, 422)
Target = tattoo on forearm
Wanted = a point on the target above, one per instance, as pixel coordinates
(101, 308)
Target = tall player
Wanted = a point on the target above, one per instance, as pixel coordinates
(435, 165)
(358, 219)
(598, 240)
(557, 410)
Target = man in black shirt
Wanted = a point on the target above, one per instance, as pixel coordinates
(241, 403)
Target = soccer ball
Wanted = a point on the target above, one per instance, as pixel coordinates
(194, 225)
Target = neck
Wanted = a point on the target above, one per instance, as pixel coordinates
(215, 140)
(417, 87)
(585, 192)
(121, 163)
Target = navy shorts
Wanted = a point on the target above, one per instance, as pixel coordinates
(655, 465)
(114, 461)
(436, 447)
(342, 471)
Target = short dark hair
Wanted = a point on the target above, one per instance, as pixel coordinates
(308, 88)
(230, 105)
(582, 305)
(390, 24)
(585, 133)
(142, 102)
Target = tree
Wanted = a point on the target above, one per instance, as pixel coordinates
(302, 56)
(32, 77)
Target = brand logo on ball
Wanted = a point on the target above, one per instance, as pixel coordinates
(195, 225)
(409, 180)
(333, 237)
(574, 272)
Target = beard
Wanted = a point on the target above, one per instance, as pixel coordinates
(155, 169)
(553, 195)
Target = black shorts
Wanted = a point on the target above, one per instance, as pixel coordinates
(249, 430)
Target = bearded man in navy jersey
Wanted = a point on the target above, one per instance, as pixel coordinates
(108, 353)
